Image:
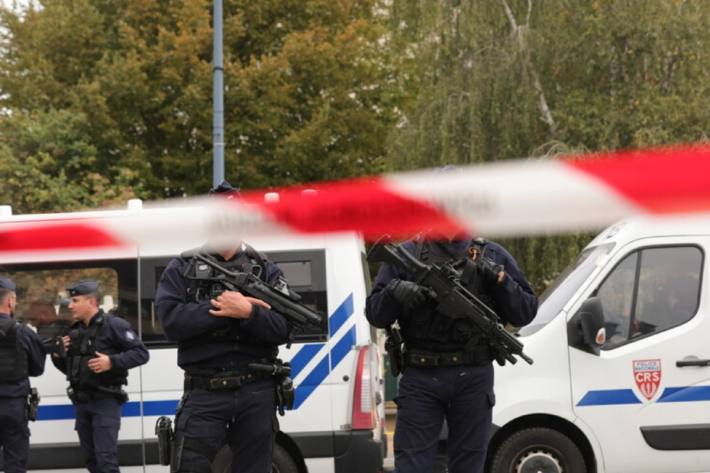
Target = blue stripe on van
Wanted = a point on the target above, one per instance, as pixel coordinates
(129, 409)
(311, 382)
(685, 394)
(341, 314)
(58, 412)
(159, 408)
(303, 356)
(336, 355)
(608, 397)
(342, 348)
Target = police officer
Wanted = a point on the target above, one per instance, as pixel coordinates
(447, 364)
(100, 349)
(21, 355)
(218, 337)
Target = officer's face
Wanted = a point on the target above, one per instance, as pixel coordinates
(13, 302)
(9, 302)
(82, 307)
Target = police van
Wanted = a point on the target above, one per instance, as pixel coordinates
(621, 344)
(337, 422)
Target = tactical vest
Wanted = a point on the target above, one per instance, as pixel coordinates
(82, 349)
(427, 330)
(13, 357)
(233, 338)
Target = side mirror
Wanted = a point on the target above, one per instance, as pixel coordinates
(586, 329)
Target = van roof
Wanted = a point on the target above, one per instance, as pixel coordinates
(632, 229)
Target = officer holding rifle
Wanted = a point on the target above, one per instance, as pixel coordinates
(227, 345)
(449, 298)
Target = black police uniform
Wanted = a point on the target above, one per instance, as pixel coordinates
(224, 402)
(97, 397)
(21, 355)
(448, 370)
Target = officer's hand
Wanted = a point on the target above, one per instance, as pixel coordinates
(66, 340)
(100, 364)
(408, 293)
(490, 272)
(235, 305)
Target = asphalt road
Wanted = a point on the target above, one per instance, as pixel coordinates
(440, 466)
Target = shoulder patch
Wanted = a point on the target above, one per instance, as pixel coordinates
(130, 336)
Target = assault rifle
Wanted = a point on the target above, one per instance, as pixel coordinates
(55, 346)
(453, 299)
(287, 305)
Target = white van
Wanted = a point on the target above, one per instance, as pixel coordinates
(634, 397)
(337, 423)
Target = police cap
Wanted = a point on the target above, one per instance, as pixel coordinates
(82, 288)
(225, 188)
(7, 283)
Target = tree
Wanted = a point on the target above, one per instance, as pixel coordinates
(506, 79)
(47, 165)
(307, 93)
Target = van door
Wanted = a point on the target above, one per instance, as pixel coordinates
(646, 393)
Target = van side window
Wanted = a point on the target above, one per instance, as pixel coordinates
(616, 295)
(649, 291)
(43, 300)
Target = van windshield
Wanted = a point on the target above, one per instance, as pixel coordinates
(564, 286)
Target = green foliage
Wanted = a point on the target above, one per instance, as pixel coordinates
(342, 128)
(47, 165)
(612, 74)
(306, 96)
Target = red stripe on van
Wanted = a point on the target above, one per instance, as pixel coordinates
(362, 205)
(60, 236)
(662, 180)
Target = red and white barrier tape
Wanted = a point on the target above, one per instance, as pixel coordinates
(500, 199)
(509, 198)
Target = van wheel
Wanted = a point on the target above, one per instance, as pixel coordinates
(538, 450)
(280, 463)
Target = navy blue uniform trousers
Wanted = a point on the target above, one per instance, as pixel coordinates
(461, 394)
(97, 423)
(244, 418)
(14, 434)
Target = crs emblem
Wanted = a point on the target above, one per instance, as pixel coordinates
(647, 374)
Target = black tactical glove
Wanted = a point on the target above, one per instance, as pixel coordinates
(490, 272)
(408, 293)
